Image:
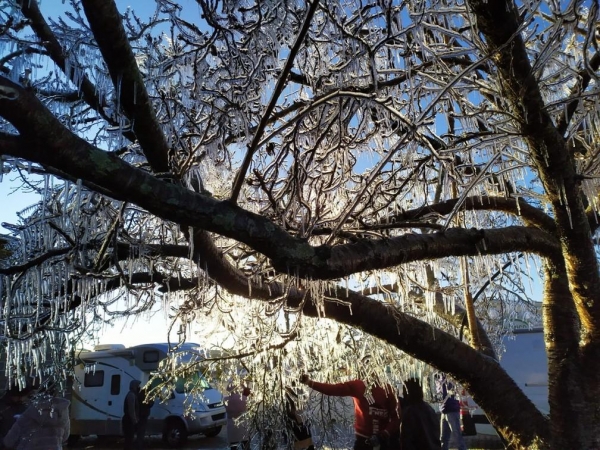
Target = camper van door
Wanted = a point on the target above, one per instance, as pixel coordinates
(98, 408)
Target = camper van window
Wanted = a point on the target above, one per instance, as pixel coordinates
(194, 381)
(94, 379)
(151, 356)
(115, 385)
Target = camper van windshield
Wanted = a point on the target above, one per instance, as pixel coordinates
(190, 383)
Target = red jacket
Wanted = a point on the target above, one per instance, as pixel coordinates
(378, 415)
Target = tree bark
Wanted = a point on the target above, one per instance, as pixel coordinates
(572, 371)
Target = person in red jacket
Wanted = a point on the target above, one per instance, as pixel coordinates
(376, 411)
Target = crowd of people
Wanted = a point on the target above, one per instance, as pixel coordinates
(382, 420)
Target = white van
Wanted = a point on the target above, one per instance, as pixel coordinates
(526, 362)
(101, 382)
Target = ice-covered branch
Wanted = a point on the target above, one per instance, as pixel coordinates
(106, 24)
(74, 72)
(172, 202)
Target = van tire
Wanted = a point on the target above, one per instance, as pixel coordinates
(212, 432)
(175, 434)
(72, 440)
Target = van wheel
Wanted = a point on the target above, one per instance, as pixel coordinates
(175, 434)
(73, 439)
(212, 432)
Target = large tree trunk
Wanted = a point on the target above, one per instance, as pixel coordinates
(561, 335)
(573, 368)
(588, 426)
(572, 285)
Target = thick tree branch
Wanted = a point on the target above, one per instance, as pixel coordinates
(405, 332)
(532, 216)
(442, 351)
(107, 26)
(342, 260)
(35, 261)
(175, 203)
(383, 321)
(54, 146)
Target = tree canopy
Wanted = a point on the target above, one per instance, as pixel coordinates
(326, 179)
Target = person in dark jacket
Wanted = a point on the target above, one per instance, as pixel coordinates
(420, 426)
(131, 414)
(45, 425)
(145, 406)
(450, 409)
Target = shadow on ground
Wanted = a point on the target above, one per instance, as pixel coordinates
(220, 443)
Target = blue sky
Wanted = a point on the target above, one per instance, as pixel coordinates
(13, 202)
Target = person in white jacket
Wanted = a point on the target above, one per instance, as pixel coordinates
(44, 425)
(237, 426)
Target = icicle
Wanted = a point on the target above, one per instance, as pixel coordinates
(191, 255)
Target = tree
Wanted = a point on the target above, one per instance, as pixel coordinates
(362, 163)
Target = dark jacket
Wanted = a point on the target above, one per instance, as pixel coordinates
(236, 405)
(145, 404)
(450, 403)
(420, 423)
(131, 405)
(12, 407)
(43, 426)
(420, 428)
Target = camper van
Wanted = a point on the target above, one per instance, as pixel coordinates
(101, 382)
(526, 362)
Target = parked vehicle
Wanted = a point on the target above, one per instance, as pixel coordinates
(526, 362)
(101, 381)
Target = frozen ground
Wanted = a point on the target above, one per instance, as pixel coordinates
(220, 443)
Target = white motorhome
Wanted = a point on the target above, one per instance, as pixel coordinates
(101, 382)
(525, 360)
